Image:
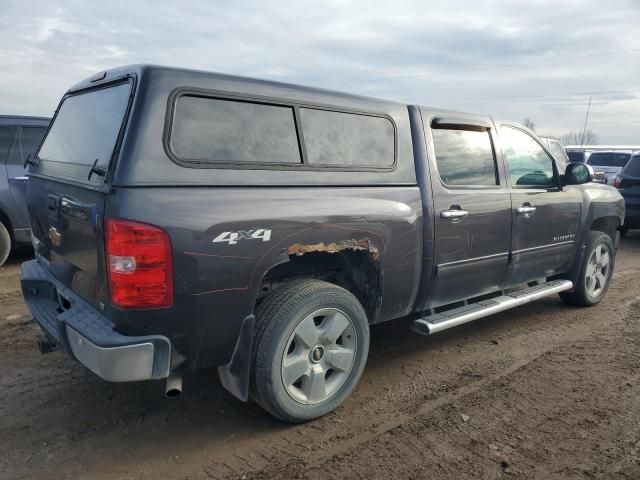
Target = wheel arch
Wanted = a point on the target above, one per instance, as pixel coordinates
(354, 267)
(607, 224)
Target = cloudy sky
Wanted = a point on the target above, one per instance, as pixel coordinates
(512, 59)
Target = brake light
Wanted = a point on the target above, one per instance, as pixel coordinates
(139, 263)
(617, 182)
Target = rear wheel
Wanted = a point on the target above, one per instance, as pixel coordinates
(596, 271)
(5, 244)
(310, 349)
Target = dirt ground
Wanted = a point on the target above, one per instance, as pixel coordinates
(544, 391)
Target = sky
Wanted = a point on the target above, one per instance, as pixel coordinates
(511, 59)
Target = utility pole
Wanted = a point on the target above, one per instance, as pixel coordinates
(584, 129)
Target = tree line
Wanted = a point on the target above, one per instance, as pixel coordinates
(588, 137)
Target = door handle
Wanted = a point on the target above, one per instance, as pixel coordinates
(526, 210)
(453, 214)
(22, 179)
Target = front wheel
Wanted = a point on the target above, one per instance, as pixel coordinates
(310, 349)
(595, 273)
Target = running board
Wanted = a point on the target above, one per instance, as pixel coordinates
(473, 311)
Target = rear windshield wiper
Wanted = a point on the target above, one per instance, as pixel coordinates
(97, 170)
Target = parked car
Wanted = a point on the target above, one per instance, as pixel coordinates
(581, 153)
(185, 220)
(609, 164)
(19, 138)
(628, 184)
(557, 150)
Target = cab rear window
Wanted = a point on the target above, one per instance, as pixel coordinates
(86, 128)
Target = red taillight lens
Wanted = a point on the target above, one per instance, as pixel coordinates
(617, 182)
(139, 264)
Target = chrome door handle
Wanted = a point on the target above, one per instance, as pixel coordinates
(526, 209)
(453, 214)
(23, 179)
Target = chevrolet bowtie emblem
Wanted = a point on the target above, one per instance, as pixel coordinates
(55, 236)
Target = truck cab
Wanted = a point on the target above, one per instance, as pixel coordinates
(185, 220)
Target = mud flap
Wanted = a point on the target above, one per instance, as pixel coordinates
(236, 374)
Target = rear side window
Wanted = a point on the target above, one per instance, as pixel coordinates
(210, 130)
(5, 139)
(609, 159)
(529, 165)
(347, 139)
(633, 167)
(86, 127)
(25, 143)
(465, 157)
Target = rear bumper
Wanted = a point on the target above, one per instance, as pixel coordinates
(78, 329)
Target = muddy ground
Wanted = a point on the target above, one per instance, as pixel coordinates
(544, 391)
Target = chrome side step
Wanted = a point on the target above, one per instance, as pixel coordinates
(468, 313)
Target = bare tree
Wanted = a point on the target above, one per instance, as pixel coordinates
(576, 138)
(530, 124)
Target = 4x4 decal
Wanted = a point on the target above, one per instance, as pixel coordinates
(232, 237)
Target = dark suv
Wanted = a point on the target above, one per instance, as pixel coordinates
(19, 138)
(185, 220)
(628, 183)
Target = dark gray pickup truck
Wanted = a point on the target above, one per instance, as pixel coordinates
(185, 220)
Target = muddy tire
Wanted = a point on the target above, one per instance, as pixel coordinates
(311, 345)
(5, 244)
(595, 273)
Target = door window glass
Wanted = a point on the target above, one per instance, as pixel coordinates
(528, 164)
(465, 157)
(558, 153)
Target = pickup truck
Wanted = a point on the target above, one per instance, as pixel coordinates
(185, 220)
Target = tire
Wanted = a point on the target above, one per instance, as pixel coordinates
(623, 231)
(5, 244)
(590, 287)
(296, 336)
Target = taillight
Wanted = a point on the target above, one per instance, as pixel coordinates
(617, 182)
(139, 264)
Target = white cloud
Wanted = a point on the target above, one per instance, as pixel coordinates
(512, 60)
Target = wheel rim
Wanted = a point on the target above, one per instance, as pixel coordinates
(598, 269)
(319, 356)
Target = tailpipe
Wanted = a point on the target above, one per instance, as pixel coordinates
(174, 386)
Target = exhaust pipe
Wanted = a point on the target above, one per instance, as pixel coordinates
(174, 386)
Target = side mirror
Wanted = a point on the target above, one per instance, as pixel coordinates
(578, 173)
